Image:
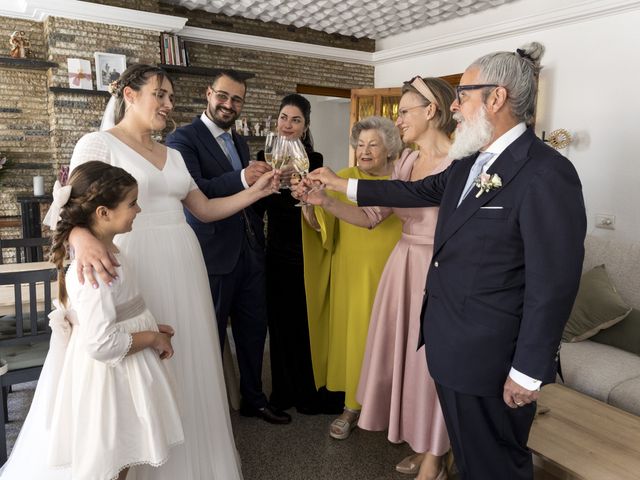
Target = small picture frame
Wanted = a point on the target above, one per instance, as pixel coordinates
(79, 73)
(109, 67)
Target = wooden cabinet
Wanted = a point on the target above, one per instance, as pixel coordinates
(366, 102)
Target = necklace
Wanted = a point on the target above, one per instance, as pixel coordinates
(135, 141)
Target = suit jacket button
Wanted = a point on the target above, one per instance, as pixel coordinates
(436, 264)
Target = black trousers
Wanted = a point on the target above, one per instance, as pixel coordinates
(290, 352)
(489, 439)
(240, 295)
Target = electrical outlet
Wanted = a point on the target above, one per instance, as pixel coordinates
(605, 221)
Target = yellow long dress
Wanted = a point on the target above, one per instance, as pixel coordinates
(342, 267)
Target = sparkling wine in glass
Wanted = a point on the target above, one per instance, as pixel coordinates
(269, 144)
(280, 160)
(300, 162)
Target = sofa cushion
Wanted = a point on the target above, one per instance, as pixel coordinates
(622, 259)
(597, 306)
(626, 396)
(624, 334)
(595, 369)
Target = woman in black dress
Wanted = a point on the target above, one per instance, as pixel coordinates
(293, 384)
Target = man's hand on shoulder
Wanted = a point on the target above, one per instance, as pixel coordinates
(254, 171)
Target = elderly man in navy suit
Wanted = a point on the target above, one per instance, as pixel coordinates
(233, 248)
(508, 251)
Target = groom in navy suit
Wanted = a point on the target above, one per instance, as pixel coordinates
(233, 248)
(508, 251)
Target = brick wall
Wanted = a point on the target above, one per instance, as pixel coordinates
(24, 124)
(276, 76)
(75, 114)
(38, 128)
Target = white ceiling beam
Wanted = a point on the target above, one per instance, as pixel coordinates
(39, 10)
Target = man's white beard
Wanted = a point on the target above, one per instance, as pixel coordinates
(471, 135)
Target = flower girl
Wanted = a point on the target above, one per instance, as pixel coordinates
(108, 402)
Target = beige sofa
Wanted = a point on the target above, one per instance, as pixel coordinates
(606, 372)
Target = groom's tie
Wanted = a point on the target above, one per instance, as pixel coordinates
(232, 153)
(476, 170)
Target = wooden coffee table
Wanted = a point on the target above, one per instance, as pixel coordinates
(583, 438)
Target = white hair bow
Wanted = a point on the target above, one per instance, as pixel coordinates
(61, 321)
(60, 198)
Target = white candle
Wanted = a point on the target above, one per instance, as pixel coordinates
(38, 186)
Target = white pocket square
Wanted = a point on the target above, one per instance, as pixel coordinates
(491, 208)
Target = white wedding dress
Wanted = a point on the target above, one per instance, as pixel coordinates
(165, 254)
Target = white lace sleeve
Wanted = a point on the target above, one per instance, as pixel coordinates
(92, 146)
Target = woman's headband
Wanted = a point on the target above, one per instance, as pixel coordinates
(421, 87)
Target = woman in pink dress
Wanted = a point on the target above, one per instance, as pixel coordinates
(396, 391)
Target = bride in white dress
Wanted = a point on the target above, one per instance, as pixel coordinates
(171, 272)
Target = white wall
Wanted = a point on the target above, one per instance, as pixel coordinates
(330, 129)
(589, 85)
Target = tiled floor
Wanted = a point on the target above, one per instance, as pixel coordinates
(301, 450)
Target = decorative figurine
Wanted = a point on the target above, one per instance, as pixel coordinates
(256, 129)
(267, 124)
(19, 45)
(245, 127)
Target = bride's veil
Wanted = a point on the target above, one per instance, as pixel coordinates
(109, 116)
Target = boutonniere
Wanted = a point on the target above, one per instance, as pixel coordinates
(486, 182)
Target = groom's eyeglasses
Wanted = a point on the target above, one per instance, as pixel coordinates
(224, 97)
(460, 89)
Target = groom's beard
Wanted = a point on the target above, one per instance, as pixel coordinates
(471, 135)
(215, 115)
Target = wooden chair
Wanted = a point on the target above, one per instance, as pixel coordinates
(24, 337)
(27, 249)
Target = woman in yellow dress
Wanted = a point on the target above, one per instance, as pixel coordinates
(342, 267)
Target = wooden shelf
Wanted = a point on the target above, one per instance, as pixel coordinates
(199, 71)
(28, 63)
(79, 91)
(10, 222)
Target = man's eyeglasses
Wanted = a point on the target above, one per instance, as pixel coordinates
(224, 97)
(462, 88)
(403, 111)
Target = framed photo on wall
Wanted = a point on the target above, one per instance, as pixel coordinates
(79, 71)
(109, 66)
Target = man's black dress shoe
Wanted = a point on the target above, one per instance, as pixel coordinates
(269, 413)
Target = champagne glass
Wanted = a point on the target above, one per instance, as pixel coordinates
(269, 144)
(282, 160)
(280, 156)
(300, 162)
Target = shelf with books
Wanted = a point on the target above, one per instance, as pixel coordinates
(173, 50)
